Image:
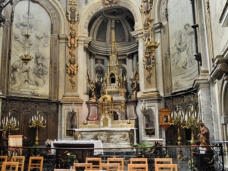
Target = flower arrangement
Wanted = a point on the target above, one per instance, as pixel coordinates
(48, 142)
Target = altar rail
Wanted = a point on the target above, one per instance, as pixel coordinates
(190, 157)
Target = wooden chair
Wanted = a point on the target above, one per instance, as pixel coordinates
(166, 167)
(3, 159)
(117, 160)
(12, 166)
(94, 162)
(36, 162)
(137, 167)
(111, 166)
(138, 161)
(20, 160)
(163, 161)
(87, 166)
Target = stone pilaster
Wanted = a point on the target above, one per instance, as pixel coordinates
(204, 98)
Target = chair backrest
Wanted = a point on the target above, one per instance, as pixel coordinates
(163, 161)
(12, 166)
(96, 162)
(137, 167)
(36, 162)
(20, 160)
(166, 167)
(86, 166)
(117, 160)
(3, 159)
(138, 161)
(111, 166)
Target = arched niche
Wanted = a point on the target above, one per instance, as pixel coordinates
(97, 5)
(40, 76)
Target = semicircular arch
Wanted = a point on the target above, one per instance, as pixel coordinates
(97, 6)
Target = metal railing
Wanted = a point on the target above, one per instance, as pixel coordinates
(187, 157)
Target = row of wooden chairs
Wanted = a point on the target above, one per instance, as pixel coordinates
(113, 164)
(17, 162)
(136, 164)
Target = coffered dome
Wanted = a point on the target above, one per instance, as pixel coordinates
(100, 31)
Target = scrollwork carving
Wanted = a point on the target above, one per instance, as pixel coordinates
(109, 2)
(72, 42)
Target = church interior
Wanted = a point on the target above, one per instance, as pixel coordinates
(114, 81)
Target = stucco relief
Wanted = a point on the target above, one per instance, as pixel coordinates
(183, 64)
(164, 12)
(31, 78)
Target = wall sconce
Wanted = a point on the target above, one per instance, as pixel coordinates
(9, 123)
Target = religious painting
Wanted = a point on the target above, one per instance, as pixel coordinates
(31, 37)
(183, 63)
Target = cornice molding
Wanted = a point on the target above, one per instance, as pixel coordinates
(220, 67)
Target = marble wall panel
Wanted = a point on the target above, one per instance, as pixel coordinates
(219, 33)
(183, 64)
(30, 79)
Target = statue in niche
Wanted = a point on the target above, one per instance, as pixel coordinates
(92, 89)
(71, 120)
(135, 85)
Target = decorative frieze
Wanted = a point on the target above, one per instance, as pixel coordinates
(72, 44)
(109, 2)
(149, 45)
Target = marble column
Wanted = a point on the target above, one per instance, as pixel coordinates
(141, 66)
(82, 69)
(62, 64)
(130, 71)
(92, 67)
(204, 99)
(1, 33)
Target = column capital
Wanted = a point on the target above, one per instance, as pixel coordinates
(137, 33)
(220, 67)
